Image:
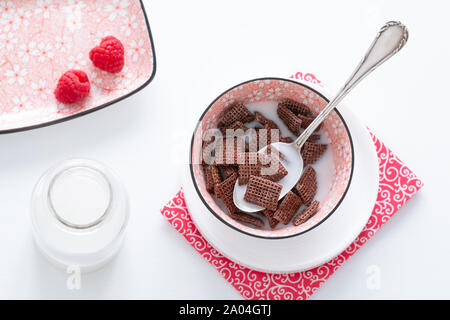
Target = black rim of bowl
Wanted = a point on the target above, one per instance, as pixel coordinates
(83, 113)
(248, 233)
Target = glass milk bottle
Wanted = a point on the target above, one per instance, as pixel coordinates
(79, 213)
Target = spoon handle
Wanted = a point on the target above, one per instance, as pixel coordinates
(389, 40)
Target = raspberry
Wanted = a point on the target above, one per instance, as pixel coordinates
(109, 55)
(72, 86)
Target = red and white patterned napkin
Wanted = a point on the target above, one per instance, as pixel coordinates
(397, 185)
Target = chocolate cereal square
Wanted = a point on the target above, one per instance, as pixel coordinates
(311, 152)
(209, 183)
(225, 189)
(293, 122)
(264, 121)
(234, 128)
(288, 207)
(228, 171)
(274, 169)
(237, 112)
(296, 107)
(247, 218)
(228, 150)
(248, 169)
(306, 214)
(263, 192)
(207, 153)
(313, 138)
(266, 136)
(307, 185)
(306, 121)
(250, 164)
(216, 178)
(286, 139)
(269, 215)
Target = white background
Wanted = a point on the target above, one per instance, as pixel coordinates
(203, 48)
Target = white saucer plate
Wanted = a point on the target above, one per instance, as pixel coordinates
(313, 248)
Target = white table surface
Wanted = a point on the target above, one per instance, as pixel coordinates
(203, 48)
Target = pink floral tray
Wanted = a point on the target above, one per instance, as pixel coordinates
(41, 39)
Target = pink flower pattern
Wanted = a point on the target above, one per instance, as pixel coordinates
(41, 39)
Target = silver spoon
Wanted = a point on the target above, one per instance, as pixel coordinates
(389, 40)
